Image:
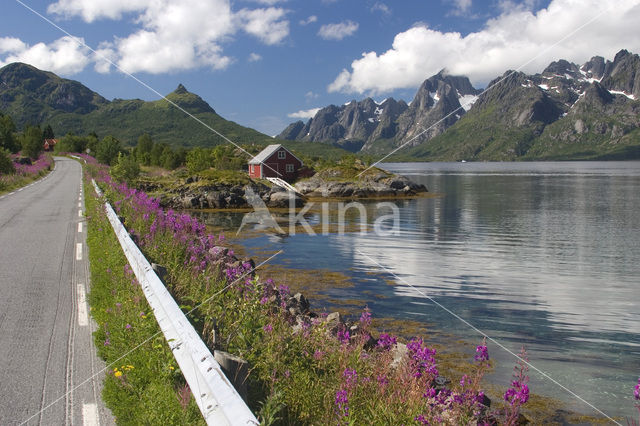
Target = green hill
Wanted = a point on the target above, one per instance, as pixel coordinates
(32, 96)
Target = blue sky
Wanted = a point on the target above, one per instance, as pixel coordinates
(265, 63)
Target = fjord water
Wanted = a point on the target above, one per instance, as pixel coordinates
(545, 255)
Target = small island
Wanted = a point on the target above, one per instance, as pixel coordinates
(226, 187)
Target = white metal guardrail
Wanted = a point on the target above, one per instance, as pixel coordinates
(283, 184)
(219, 402)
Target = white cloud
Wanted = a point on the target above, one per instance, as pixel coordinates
(254, 57)
(304, 114)
(64, 56)
(269, 2)
(310, 95)
(91, 10)
(381, 7)
(310, 20)
(461, 7)
(517, 38)
(265, 24)
(175, 35)
(338, 31)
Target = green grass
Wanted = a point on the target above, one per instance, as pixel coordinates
(143, 382)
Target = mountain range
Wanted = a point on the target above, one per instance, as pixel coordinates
(566, 112)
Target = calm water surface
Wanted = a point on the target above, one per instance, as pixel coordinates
(545, 255)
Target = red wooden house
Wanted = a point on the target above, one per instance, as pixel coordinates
(275, 161)
(49, 144)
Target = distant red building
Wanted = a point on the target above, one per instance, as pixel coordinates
(49, 144)
(275, 161)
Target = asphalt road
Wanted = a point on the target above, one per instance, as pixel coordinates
(49, 373)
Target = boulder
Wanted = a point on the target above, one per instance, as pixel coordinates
(282, 199)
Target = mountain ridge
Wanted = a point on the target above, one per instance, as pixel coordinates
(521, 117)
(33, 96)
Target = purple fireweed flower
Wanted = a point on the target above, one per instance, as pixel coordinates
(422, 359)
(342, 403)
(636, 390)
(365, 318)
(343, 336)
(464, 380)
(267, 328)
(284, 290)
(318, 354)
(107, 342)
(482, 353)
(386, 341)
(350, 377)
(128, 326)
(517, 394)
(382, 380)
(421, 419)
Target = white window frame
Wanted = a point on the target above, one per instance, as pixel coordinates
(282, 154)
(289, 168)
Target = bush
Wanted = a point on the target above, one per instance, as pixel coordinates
(31, 141)
(6, 165)
(198, 159)
(107, 150)
(126, 169)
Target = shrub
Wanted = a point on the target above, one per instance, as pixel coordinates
(6, 164)
(126, 169)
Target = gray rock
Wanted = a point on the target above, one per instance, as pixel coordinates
(282, 199)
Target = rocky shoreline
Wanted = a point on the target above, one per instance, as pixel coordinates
(195, 193)
(372, 185)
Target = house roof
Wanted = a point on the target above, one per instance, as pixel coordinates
(268, 152)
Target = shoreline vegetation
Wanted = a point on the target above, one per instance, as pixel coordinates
(305, 368)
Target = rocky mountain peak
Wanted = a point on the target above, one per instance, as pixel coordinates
(594, 68)
(189, 101)
(562, 68)
(623, 74)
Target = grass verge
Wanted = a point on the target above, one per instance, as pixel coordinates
(143, 384)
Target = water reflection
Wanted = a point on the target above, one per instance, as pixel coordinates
(541, 254)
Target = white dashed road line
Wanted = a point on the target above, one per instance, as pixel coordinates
(90, 415)
(83, 317)
(79, 227)
(79, 251)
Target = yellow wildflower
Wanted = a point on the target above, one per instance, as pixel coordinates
(118, 373)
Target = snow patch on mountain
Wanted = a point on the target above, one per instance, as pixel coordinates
(467, 101)
(618, 92)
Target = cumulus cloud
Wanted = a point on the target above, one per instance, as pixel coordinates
(338, 31)
(254, 57)
(310, 20)
(64, 56)
(517, 39)
(175, 35)
(304, 114)
(265, 24)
